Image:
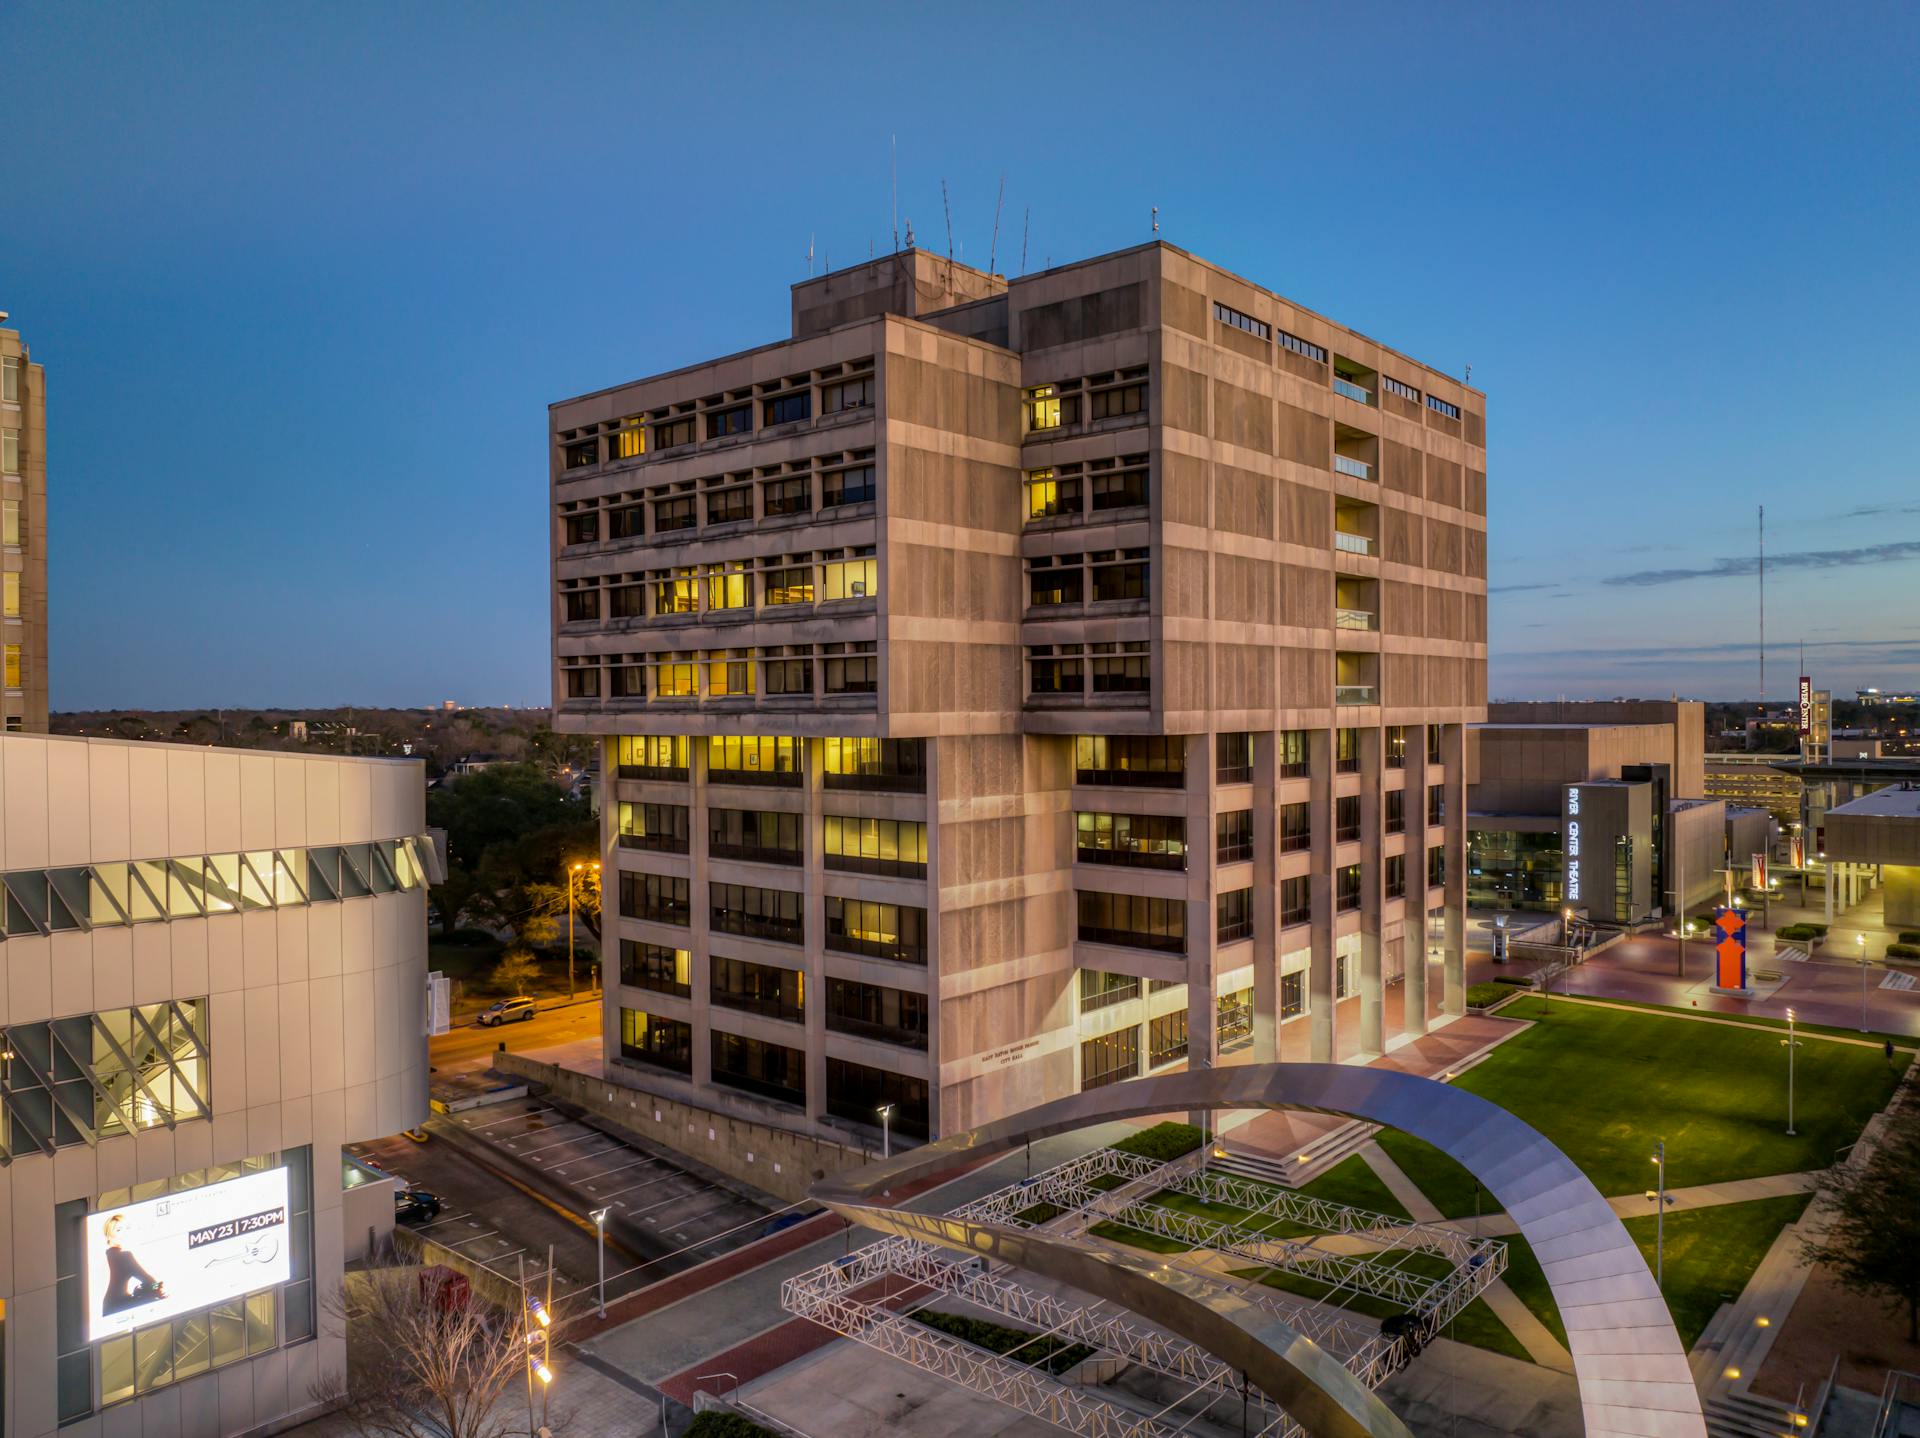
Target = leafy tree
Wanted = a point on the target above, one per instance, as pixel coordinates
(516, 971)
(1872, 1243)
(511, 832)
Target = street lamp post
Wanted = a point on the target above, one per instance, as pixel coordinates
(600, 1233)
(1660, 1217)
(1863, 980)
(1792, 1044)
(573, 875)
(886, 1130)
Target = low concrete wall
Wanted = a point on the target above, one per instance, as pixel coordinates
(770, 1159)
(366, 1218)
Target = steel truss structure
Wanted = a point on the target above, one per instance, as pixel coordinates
(848, 1294)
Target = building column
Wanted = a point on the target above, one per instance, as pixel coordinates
(699, 913)
(610, 992)
(1266, 899)
(813, 965)
(1453, 741)
(1203, 1008)
(1413, 924)
(1373, 893)
(1322, 750)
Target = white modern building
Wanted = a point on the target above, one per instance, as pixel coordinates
(215, 971)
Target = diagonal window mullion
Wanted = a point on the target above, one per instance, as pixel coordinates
(45, 1080)
(84, 1062)
(173, 1061)
(140, 1079)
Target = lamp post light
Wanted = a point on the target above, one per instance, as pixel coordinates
(1862, 938)
(1792, 1044)
(573, 875)
(886, 1130)
(1660, 1216)
(599, 1217)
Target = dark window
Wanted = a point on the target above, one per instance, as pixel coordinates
(792, 675)
(583, 683)
(1124, 580)
(856, 1093)
(627, 522)
(1099, 990)
(856, 393)
(1396, 746)
(1396, 876)
(672, 514)
(1252, 326)
(1296, 900)
(651, 966)
(856, 673)
(1130, 761)
(1436, 804)
(1232, 758)
(1346, 890)
(1346, 754)
(868, 1011)
(729, 506)
(787, 496)
(1441, 406)
(1167, 1038)
(1396, 811)
(880, 931)
(581, 604)
(660, 827)
(1121, 669)
(654, 897)
(1295, 756)
(1436, 868)
(771, 1070)
(629, 601)
(669, 433)
(627, 681)
(583, 527)
(1346, 818)
(1134, 921)
(899, 765)
(757, 835)
(847, 486)
(1056, 584)
(786, 408)
(1119, 488)
(764, 989)
(667, 1043)
(1145, 841)
(1296, 828)
(875, 846)
(1299, 346)
(1110, 1058)
(1121, 400)
(1063, 672)
(1293, 994)
(792, 585)
(1233, 915)
(723, 422)
(1233, 836)
(756, 913)
(581, 454)
(1433, 744)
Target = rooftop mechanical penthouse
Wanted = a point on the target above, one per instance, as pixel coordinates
(1012, 687)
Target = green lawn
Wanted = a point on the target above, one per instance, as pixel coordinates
(1712, 1252)
(1758, 1021)
(1450, 1187)
(1353, 1183)
(1605, 1083)
(1529, 1284)
(1475, 1324)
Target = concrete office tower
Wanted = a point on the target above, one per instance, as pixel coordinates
(23, 537)
(216, 967)
(1013, 687)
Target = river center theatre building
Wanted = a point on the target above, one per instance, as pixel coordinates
(1008, 688)
(216, 977)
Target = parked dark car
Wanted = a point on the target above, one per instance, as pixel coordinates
(415, 1205)
(506, 1011)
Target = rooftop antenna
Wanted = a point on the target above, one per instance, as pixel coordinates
(809, 256)
(896, 197)
(949, 209)
(1026, 224)
(909, 231)
(1156, 219)
(994, 248)
(1469, 378)
(1763, 609)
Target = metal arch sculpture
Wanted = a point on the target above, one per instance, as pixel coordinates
(1631, 1369)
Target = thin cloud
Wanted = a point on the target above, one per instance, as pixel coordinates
(1876, 511)
(1517, 588)
(1747, 566)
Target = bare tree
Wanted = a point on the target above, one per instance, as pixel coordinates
(427, 1358)
(1872, 1242)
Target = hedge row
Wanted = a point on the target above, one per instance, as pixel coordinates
(1903, 951)
(1798, 932)
(1056, 1355)
(1482, 996)
(1162, 1143)
(716, 1424)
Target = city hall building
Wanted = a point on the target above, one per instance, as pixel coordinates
(216, 966)
(1012, 687)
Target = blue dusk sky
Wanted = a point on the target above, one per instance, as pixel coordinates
(305, 279)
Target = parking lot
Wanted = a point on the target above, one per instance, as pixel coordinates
(674, 1218)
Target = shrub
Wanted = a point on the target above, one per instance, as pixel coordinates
(1482, 996)
(1798, 933)
(716, 1424)
(1162, 1143)
(1903, 951)
(1518, 981)
(1056, 1355)
(1909, 936)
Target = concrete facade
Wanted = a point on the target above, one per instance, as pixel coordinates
(1883, 829)
(23, 536)
(161, 889)
(1129, 615)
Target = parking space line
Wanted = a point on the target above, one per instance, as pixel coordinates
(475, 1238)
(676, 1198)
(617, 1168)
(559, 1142)
(636, 1187)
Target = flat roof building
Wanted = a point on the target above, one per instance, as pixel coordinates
(23, 537)
(1010, 687)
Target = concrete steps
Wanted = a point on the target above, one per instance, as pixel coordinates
(1302, 1166)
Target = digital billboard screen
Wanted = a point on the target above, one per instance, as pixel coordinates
(185, 1251)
